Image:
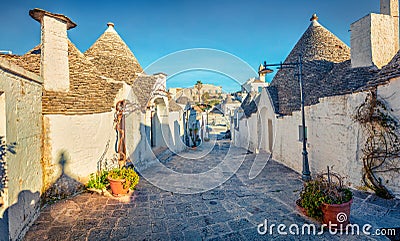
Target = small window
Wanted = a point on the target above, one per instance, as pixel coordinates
(259, 89)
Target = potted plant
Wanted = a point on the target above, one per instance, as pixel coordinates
(98, 181)
(326, 198)
(122, 179)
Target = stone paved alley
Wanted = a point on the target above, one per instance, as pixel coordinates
(230, 211)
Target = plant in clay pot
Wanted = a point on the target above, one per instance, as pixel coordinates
(122, 180)
(325, 198)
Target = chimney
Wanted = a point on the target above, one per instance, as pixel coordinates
(391, 7)
(375, 37)
(54, 65)
(261, 75)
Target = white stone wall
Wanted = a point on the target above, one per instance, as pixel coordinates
(391, 94)
(141, 151)
(22, 93)
(247, 137)
(253, 133)
(82, 140)
(334, 138)
(54, 54)
(177, 131)
(391, 7)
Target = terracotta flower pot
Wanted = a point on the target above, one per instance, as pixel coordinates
(337, 214)
(300, 208)
(117, 186)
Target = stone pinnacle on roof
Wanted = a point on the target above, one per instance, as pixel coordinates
(314, 17)
(113, 58)
(110, 28)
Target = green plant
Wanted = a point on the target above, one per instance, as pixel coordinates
(128, 174)
(322, 189)
(98, 180)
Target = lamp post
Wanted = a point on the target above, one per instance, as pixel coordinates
(306, 175)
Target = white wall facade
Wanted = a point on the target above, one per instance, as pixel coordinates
(21, 92)
(391, 94)
(334, 138)
(81, 139)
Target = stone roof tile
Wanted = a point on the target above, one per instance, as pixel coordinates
(143, 88)
(173, 106)
(29, 61)
(249, 105)
(113, 58)
(389, 71)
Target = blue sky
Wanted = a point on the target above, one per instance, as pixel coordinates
(253, 30)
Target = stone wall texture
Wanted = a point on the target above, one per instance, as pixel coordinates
(79, 141)
(391, 94)
(372, 41)
(22, 91)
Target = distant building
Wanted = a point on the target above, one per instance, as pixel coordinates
(192, 94)
(256, 84)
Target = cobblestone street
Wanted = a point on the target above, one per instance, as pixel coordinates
(231, 211)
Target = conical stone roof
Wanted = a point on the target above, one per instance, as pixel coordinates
(113, 58)
(320, 50)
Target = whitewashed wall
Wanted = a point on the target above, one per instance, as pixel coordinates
(22, 93)
(391, 94)
(250, 129)
(82, 139)
(334, 138)
(177, 130)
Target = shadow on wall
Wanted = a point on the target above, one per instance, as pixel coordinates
(4, 150)
(18, 216)
(64, 186)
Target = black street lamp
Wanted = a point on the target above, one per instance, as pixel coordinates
(306, 175)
